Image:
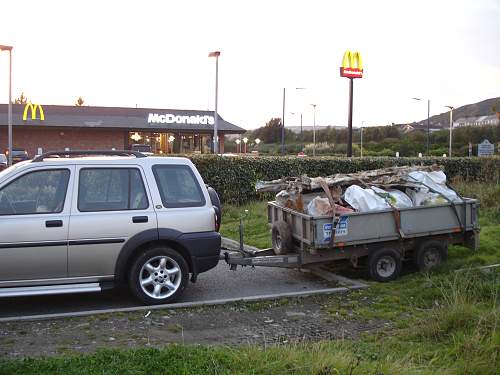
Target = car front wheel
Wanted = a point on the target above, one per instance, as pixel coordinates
(159, 275)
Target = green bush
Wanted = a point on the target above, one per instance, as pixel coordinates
(234, 177)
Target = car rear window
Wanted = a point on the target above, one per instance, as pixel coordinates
(178, 186)
(111, 189)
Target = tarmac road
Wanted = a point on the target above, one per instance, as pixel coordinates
(218, 283)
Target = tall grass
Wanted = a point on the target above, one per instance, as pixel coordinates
(464, 321)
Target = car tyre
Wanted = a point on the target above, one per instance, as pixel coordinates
(159, 275)
(430, 254)
(281, 238)
(384, 265)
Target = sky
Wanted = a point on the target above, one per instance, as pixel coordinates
(154, 54)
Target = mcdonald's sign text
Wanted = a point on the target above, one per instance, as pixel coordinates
(352, 65)
(34, 108)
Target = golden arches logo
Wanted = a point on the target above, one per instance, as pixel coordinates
(352, 65)
(33, 108)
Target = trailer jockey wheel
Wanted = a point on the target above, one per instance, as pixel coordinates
(430, 254)
(281, 237)
(384, 265)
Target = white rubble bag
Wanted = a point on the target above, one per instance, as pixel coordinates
(322, 207)
(395, 197)
(435, 181)
(423, 197)
(364, 199)
(319, 207)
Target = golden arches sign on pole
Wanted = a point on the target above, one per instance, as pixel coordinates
(33, 108)
(352, 65)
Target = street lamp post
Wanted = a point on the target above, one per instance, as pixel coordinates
(361, 136)
(283, 125)
(238, 147)
(9, 121)
(451, 126)
(314, 129)
(216, 54)
(283, 120)
(301, 133)
(428, 121)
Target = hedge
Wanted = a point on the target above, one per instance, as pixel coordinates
(234, 177)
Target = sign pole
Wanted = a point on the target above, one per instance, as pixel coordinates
(283, 126)
(352, 67)
(349, 122)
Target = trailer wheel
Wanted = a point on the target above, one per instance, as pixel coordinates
(281, 238)
(430, 254)
(384, 265)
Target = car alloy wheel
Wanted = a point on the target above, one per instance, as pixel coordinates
(160, 277)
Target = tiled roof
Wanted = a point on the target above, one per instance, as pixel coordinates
(111, 117)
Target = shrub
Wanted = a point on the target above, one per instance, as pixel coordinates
(234, 177)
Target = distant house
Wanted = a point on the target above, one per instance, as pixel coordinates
(477, 121)
(407, 128)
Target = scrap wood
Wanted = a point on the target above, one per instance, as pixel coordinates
(385, 177)
(328, 193)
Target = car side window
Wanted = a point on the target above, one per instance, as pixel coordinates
(39, 192)
(111, 189)
(178, 186)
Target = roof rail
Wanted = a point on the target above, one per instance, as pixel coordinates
(137, 154)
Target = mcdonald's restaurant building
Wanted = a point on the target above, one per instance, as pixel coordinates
(55, 127)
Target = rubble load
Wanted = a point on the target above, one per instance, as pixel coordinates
(379, 189)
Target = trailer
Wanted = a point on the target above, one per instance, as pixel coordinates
(379, 241)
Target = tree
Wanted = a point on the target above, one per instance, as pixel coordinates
(21, 100)
(79, 102)
(271, 133)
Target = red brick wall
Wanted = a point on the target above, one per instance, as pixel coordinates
(58, 139)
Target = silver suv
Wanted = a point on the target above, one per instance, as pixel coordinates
(70, 222)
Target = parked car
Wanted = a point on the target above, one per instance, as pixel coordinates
(145, 149)
(94, 223)
(18, 154)
(3, 162)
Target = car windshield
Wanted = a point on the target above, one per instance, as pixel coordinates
(142, 148)
(5, 172)
(10, 169)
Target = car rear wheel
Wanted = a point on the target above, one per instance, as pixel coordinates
(159, 275)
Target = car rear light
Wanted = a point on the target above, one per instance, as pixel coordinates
(216, 220)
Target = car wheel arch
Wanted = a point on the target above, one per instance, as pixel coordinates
(144, 240)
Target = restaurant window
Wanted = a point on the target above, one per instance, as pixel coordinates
(172, 142)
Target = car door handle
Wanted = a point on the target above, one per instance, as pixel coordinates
(140, 219)
(53, 223)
